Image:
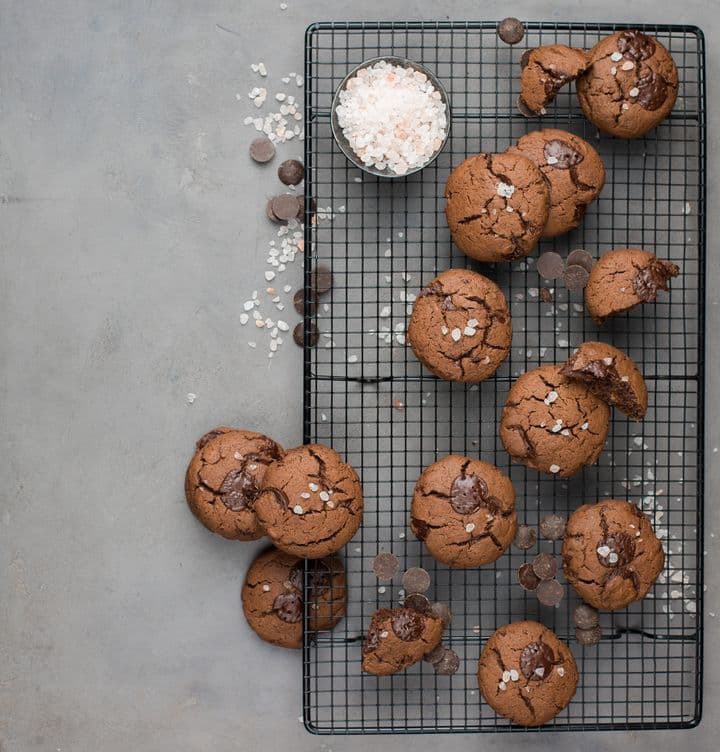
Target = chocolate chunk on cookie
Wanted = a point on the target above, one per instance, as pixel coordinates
(526, 673)
(611, 555)
(223, 479)
(623, 279)
(397, 638)
(497, 206)
(553, 424)
(574, 171)
(546, 70)
(630, 86)
(310, 502)
(611, 375)
(464, 511)
(272, 596)
(460, 326)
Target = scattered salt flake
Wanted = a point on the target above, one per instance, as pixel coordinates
(244, 318)
(563, 343)
(352, 358)
(262, 70)
(691, 606)
(502, 686)
(616, 57)
(266, 588)
(269, 275)
(297, 509)
(248, 305)
(469, 527)
(252, 344)
(381, 589)
(283, 6)
(554, 469)
(456, 334)
(191, 397)
(552, 397)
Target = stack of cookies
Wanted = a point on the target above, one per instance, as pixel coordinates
(243, 485)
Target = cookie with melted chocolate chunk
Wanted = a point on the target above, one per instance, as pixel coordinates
(630, 86)
(310, 502)
(625, 278)
(497, 206)
(611, 375)
(397, 638)
(553, 424)
(460, 327)
(545, 70)
(526, 673)
(464, 511)
(574, 171)
(272, 596)
(223, 478)
(611, 555)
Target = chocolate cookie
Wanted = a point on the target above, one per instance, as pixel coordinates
(574, 170)
(630, 86)
(545, 71)
(464, 511)
(624, 278)
(310, 502)
(497, 206)
(272, 596)
(611, 375)
(611, 555)
(526, 673)
(460, 326)
(553, 424)
(223, 477)
(397, 638)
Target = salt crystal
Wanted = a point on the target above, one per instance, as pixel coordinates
(313, 487)
(297, 509)
(603, 551)
(627, 65)
(469, 527)
(554, 469)
(444, 330)
(505, 190)
(506, 676)
(269, 275)
(324, 496)
(244, 318)
(472, 322)
(634, 91)
(514, 676)
(456, 334)
(248, 305)
(191, 397)
(616, 57)
(552, 397)
(262, 70)
(468, 331)
(352, 358)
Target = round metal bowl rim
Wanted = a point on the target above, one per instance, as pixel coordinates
(405, 63)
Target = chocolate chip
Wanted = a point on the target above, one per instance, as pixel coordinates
(417, 602)
(291, 172)
(299, 335)
(545, 295)
(536, 660)
(271, 214)
(322, 279)
(295, 578)
(527, 578)
(550, 592)
(285, 206)
(262, 149)
(525, 59)
(545, 566)
(416, 580)
(562, 155)
(525, 537)
(616, 550)
(588, 637)
(550, 265)
(288, 607)
(448, 663)
(552, 527)
(407, 625)
(523, 109)
(653, 277)
(652, 89)
(636, 45)
(575, 277)
(468, 493)
(435, 655)
(510, 30)
(582, 258)
(238, 490)
(385, 566)
(442, 610)
(585, 617)
(299, 302)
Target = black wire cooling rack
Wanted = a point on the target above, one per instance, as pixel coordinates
(366, 395)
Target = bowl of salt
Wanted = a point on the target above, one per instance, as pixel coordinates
(390, 117)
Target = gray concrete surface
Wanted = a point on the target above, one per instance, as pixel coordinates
(131, 227)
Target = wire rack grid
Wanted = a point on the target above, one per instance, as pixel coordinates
(366, 395)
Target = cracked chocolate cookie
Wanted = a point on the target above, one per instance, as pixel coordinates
(574, 170)
(310, 502)
(624, 278)
(397, 638)
(553, 424)
(497, 206)
(611, 555)
(526, 673)
(272, 596)
(545, 71)
(223, 477)
(630, 86)
(610, 375)
(460, 326)
(464, 511)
